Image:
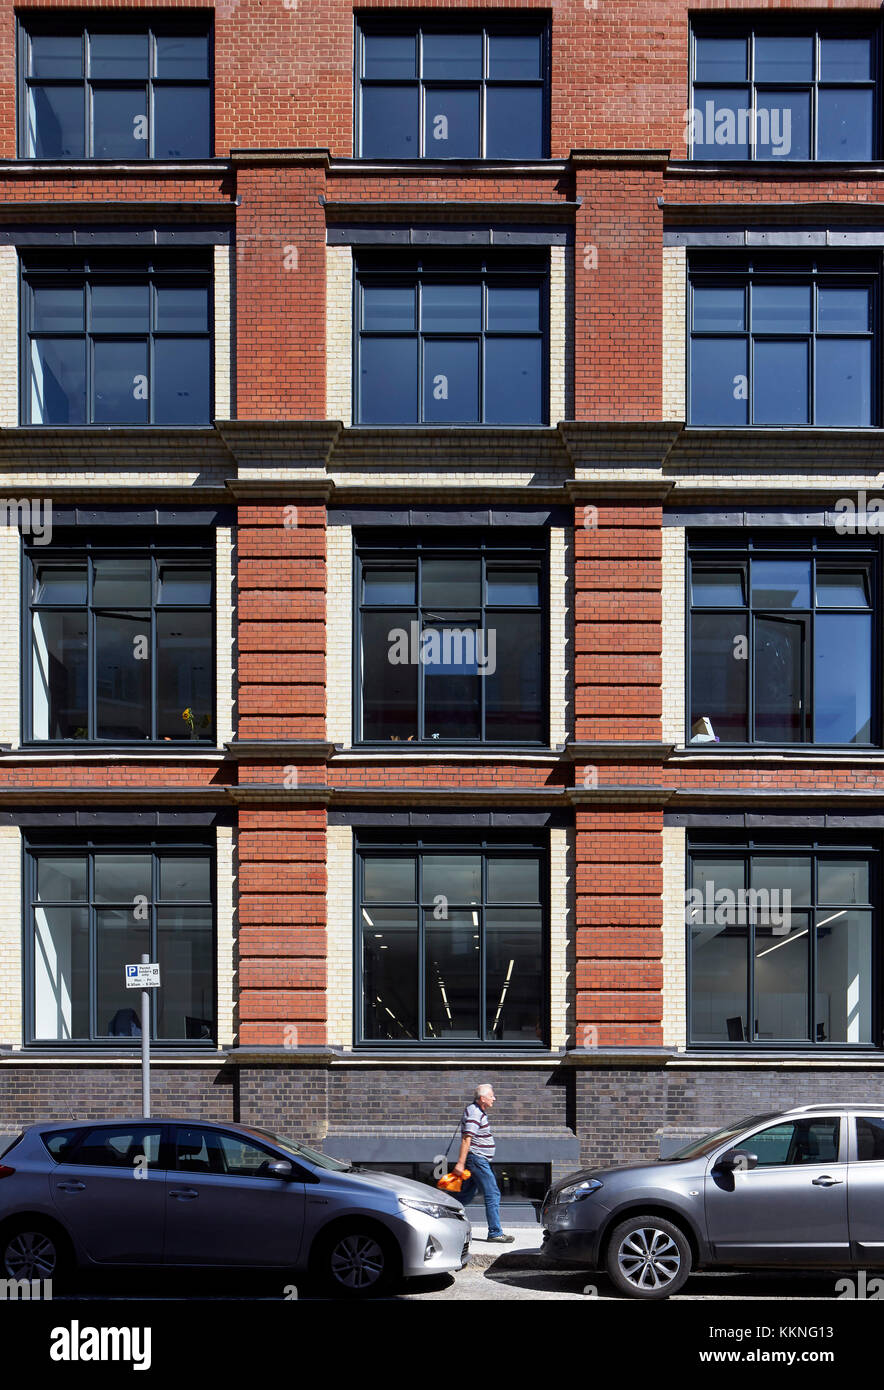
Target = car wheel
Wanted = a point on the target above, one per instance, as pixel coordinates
(32, 1251)
(356, 1262)
(648, 1257)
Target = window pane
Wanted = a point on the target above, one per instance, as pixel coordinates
(514, 381)
(719, 969)
(452, 693)
(719, 308)
(514, 974)
(452, 977)
(784, 58)
(844, 309)
(62, 879)
(120, 878)
(60, 673)
(843, 381)
(719, 677)
(119, 56)
(119, 123)
(721, 60)
(799, 1141)
(451, 583)
(843, 678)
(451, 382)
(61, 973)
(846, 127)
(780, 308)
(182, 308)
(782, 128)
(185, 878)
(451, 123)
(56, 310)
(719, 377)
(121, 583)
(456, 877)
(389, 880)
(120, 308)
(455, 56)
(514, 123)
(781, 980)
(54, 584)
(186, 951)
(182, 381)
(514, 57)
(514, 680)
(120, 940)
(122, 678)
(783, 874)
(390, 122)
(388, 586)
(513, 879)
(120, 383)
(780, 383)
(514, 309)
(717, 588)
(245, 1160)
(843, 881)
(389, 677)
(845, 60)
(184, 585)
(390, 55)
(451, 308)
(780, 583)
(182, 55)
(182, 122)
(710, 874)
(869, 1139)
(58, 381)
(56, 122)
(56, 55)
(388, 381)
(512, 587)
(388, 307)
(844, 977)
(841, 589)
(779, 684)
(185, 680)
(390, 975)
(721, 123)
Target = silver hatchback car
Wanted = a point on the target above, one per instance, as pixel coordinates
(146, 1193)
(803, 1188)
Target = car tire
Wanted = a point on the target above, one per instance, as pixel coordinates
(648, 1257)
(35, 1250)
(356, 1261)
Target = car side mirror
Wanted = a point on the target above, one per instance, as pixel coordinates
(281, 1169)
(737, 1161)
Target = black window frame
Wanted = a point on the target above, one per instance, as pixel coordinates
(154, 23)
(773, 24)
(159, 551)
(778, 845)
(183, 267)
(495, 269)
(793, 267)
(416, 23)
(183, 845)
(391, 552)
(377, 846)
(717, 550)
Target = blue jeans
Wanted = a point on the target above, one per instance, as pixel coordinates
(482, 1180)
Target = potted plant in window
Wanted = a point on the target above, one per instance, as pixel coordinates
(195, 723)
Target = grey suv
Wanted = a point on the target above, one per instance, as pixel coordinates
(802, 1188)
(175, 1194)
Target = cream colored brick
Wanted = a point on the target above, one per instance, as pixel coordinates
(559, 334)
(561, 933)
(339, 635)
(674, 973)
(225, 942)
(11, 1022)
(223, 268)
(9, 408)
(673, 584)
(10, 639)
(339, 332)
(561, 637)
(224, 618)
(674, 329)
(339, 902)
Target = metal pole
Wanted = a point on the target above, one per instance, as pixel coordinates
(145, 1048)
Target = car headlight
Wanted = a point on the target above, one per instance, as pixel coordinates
(578, 1190)
(430, 1208)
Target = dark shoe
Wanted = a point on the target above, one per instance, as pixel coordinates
(500, 1240)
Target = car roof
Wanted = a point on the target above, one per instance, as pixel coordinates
(140, 1120)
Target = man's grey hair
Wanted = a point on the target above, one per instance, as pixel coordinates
(483, 1090)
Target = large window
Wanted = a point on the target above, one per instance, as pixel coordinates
(93, 910)
(117, 88)
(451, 941)
(780, 91)
(782, 643)
(117, 339)
(119, 643)
(783, 340)
(781, 944)
(451, 643)
(457, 339)
(452, 89)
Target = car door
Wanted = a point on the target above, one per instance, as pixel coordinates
(222, 1205)
(865, 1188)
(111, 1193)
(791, 1208)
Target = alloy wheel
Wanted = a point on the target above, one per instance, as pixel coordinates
(357, 1262)
(30, 1255)
(649, 1258)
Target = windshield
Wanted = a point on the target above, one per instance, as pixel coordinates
(299, 1150)
(698, 1147)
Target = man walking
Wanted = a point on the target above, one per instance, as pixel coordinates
(477, 1142)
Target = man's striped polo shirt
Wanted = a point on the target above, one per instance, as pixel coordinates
(475, 1124)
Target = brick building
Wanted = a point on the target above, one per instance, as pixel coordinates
(462, 433)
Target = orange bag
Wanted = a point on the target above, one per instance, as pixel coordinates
(452, 1183)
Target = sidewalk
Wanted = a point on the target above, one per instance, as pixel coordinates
(526, 1242)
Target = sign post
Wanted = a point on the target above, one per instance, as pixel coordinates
(145, 977)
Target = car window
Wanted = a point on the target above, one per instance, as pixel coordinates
(120, 1147)
(59, 1142)
(245, 1160)
(796, 1141)
(869, 1137)
(210, 1151)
